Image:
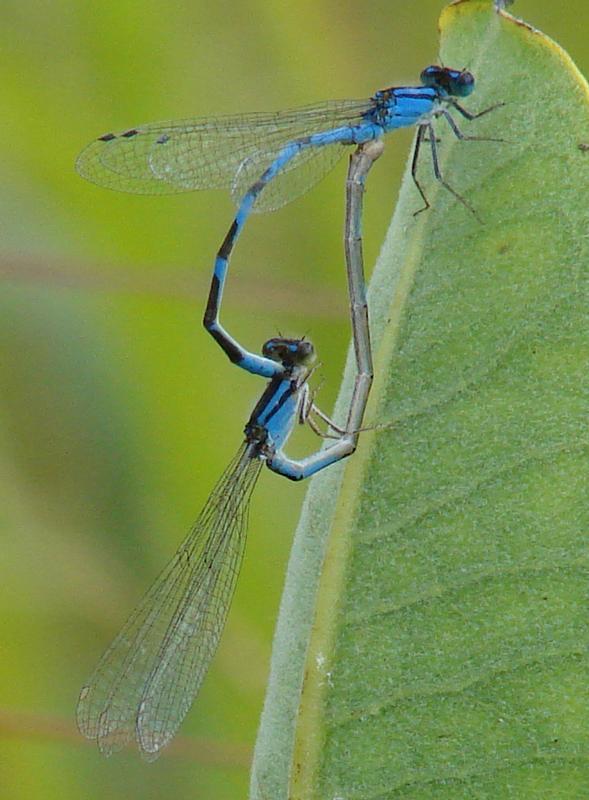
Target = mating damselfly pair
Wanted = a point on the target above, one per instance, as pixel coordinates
(147, 680)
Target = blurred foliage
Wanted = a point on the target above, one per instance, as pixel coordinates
(117, 412)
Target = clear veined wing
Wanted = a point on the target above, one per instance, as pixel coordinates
(185, 155)
(146, 681)
(302, 172)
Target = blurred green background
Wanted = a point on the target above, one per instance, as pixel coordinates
(117, 411)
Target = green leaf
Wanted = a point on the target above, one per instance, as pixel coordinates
(434, 627)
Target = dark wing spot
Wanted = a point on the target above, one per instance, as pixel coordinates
(130, 134)
(108, 137)
(163, 139)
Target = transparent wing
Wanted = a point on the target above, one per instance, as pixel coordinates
(181, 156)
(146, 681)
(302, 172)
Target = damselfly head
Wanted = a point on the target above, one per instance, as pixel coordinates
(289, 352)
(453, 82)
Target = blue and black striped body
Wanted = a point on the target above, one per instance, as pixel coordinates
(146, 681)
(387, 110)
(401, 107)
(267, 159)
(275, 414)
(284, 400)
